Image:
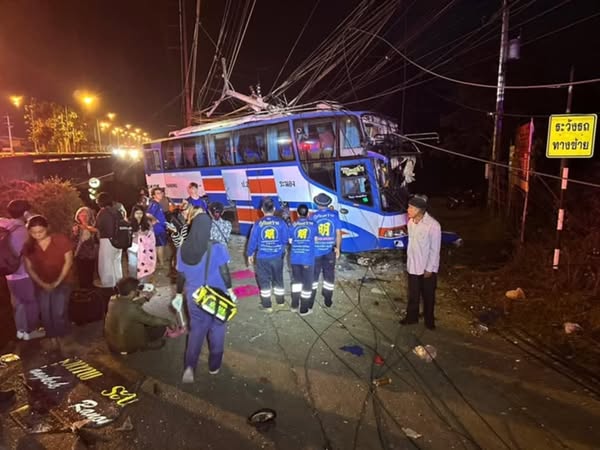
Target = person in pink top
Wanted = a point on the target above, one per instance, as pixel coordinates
(142, 253)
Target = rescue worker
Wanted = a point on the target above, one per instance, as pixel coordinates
(268, 239)
(302, 259)
(328, 243)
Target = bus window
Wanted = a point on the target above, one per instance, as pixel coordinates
(172, 155)
(322, 172)
(316, 138)
(152, 158)
(223, 154)
(280, 143)
(251, 145)
(356, 187)
(350, 137)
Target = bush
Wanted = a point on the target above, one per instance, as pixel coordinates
(53, 198)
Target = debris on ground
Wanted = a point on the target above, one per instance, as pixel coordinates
(263, 419)
(426, 353)
(378, 360)
(127, 425)
(364, 261)
(378, 291)
(515, 294)
(478, 329)
(571, 327)
(247, 290)
(409, 432)
(382, 381)
(253, 338)
(9, 357)
(489, 316)
(356, 350)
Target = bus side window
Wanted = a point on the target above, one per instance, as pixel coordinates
(316, 138)
(189, 153)
(280, 143)
(172, 155)
(355, 185)
(223, 153)
(350, 137)
(251, 146)
(201, 152)
(152, 159)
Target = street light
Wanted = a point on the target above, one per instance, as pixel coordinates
(111, 116)
(16, 100)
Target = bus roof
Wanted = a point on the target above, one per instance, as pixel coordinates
(256, 118)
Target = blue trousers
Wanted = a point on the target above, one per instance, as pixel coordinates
(326, 264)
(25, 304)
(54, 307)
(302, 280)
(269, 276)
(204, 326)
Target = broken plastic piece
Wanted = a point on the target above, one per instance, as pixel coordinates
(427, 353)
(409, 432)
(382, 381)
(356, 350)
(515, 294)
(378, 360)
(571, 327)
(126, 426)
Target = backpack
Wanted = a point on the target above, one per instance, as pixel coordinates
(9, 260)
(123, 235)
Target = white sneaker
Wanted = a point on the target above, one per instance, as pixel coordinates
(188, 375)
(35, 334)
(214, 372)
(20, 334)
(307, 313)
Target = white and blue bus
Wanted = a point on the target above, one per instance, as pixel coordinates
(292, 157)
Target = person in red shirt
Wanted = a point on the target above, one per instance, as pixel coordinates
(48, 259)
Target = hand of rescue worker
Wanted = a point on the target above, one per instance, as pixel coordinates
(251, 260)
(337, 253)
(232, 295)
(177, 302)
(427, 274)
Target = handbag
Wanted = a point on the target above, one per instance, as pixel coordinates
(213, 300)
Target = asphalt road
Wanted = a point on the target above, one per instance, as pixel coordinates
(480, 391)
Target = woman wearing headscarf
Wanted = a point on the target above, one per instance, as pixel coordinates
(85, 244)
(191, 266)
(141, 255)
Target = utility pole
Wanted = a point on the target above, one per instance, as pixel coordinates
(496, 140)
(187, 101)
(9, 126)
(564, 178)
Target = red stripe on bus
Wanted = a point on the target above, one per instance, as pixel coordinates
(248, 215)
(262, 185)
(213, 184)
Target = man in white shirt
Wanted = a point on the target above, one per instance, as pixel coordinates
(423, 261)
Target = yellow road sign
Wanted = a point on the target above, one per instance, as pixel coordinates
(571, 136)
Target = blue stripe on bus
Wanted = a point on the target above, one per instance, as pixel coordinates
(212, 171)
(259, 172)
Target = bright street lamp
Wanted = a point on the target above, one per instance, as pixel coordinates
(16, 100)
(111, 116)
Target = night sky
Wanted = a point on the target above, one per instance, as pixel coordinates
(127, 52)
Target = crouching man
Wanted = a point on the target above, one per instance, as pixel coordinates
(128, 327)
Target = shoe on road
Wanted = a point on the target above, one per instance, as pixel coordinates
(188, 375)
(35, 334)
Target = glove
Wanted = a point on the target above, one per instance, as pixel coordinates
(232, 295)
(177, 302)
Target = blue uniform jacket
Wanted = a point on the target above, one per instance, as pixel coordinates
(302, 236)
(327, 223)
(268, 237)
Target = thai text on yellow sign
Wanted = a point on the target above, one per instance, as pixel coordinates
(571, 136)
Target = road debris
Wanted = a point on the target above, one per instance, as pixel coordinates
(127, 425)
(382, 381)
(363, 261)
(571, 327)
(409, 432)
(515, 294)
(378, 291)
(426, 353)
(356, 350)
(263, 419)
(253, 338)
(9, 357)
(378, 360)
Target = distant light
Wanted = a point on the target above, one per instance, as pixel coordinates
(111, 116)
(94, 183)
(16, 100)
(284, 140)
(134, 154)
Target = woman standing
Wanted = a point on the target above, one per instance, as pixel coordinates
(85, 240)
(141, 255)
(48, 259)
(109, 257)
(191, 264)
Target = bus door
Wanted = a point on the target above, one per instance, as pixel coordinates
(358, 204)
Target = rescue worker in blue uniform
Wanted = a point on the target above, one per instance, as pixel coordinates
(328, 243)
(302, 259)
(268, 240)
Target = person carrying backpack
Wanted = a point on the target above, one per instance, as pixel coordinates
(108, 222)
(13, 236)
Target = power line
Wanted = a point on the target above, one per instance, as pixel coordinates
(479, 85)
(497, 164)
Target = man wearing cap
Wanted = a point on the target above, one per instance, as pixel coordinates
(268, 239)
(302, 259)
(328, 243)
(423, 261)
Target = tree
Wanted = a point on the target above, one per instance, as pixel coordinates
(53, 127)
